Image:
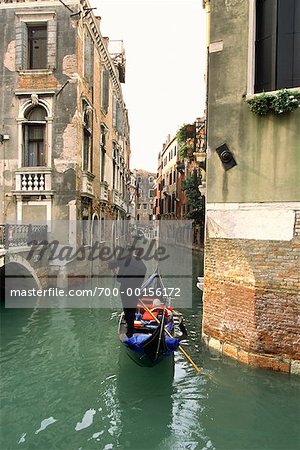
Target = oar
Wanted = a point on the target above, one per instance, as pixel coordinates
(180, 347)
(160, 333)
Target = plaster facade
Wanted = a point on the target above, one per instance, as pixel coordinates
(251, 286)
(84, 174)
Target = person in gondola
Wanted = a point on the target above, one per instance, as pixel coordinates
(131, 274)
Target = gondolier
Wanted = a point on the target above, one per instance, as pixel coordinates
(131, 274)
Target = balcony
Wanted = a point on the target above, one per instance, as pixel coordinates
(87, 183)
(166, 190)
(115, 198)
(33, 181)
(104, 191)
(118, 201)
(123, 205)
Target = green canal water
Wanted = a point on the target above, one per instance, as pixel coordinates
(66, 383)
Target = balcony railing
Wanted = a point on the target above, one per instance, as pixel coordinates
(19, 1)
(103, 191)
(33, 180)
(88, 183)
(115, 197)
(123, 205)
(118, 201)
(15, 235)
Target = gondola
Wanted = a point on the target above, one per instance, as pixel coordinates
(158, 329)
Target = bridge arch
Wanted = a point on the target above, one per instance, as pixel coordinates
(17, 273)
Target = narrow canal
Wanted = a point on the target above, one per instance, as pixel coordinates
(67, 384)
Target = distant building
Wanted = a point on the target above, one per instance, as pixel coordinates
(133, 196)
(180, 161)
(157, 190)
(145, 194)
(168, 196)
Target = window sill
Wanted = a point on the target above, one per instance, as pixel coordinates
(88, 174)
(250, 96)
(36, 72)
(43, 169)
(105, 112)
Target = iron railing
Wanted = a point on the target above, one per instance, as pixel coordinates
(15, 235)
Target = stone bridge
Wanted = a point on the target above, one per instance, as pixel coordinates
(15, 263)
(23, 268)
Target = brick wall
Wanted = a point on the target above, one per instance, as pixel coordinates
(251, 294)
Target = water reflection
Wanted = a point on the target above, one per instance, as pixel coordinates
(65, 374)
(145, 401)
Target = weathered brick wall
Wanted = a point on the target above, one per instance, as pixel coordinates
(251, 294)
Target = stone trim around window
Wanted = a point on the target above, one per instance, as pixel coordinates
(24, 18)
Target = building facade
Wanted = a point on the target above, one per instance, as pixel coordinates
(181, 176)
(132, 196)
(66, 150)
(251, 289)
(168, 197)
(145, 195)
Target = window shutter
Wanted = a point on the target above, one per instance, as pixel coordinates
(25, 155)
(265, 45)
(21, 45)
(88, 58)
(114, 112)
(119, 119)
(51, 43)
(105, 90)
(288, 57)
(296, 69)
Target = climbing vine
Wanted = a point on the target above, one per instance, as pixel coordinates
(195, 199)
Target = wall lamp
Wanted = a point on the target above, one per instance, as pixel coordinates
(4, 137)
(226, 156)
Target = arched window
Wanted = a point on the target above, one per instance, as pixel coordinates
(34, 137)
(87, 140)
(103, 152)
(115, 159)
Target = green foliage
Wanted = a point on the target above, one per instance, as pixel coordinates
(195, 200)
(283, 101)
(260, 104)
(186, 150)
(186, 131)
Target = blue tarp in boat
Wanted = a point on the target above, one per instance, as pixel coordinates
(136, 342)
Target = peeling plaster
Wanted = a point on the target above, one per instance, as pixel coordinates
(70, 65)
(66, 160)
(232, 3)
(10, 56)
(7, 169)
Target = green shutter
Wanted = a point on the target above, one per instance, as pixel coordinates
(288, 44)
(21, 45)
(265, 45)
(51, 43)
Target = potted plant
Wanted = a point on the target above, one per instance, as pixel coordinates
(186, 131)
(281, 102)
